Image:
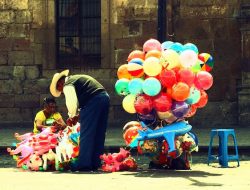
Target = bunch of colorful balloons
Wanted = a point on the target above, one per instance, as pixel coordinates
(165, 81)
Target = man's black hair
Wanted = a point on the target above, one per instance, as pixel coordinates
(48, 100)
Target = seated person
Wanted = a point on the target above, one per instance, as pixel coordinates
(48, 117)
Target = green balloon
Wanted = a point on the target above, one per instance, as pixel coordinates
(121, 87)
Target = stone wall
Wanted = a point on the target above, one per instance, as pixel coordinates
(28, 58)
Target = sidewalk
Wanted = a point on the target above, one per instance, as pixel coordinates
(114, 138)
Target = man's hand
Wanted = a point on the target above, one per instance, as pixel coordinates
(72, 121)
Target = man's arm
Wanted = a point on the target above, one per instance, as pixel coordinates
(71, 100)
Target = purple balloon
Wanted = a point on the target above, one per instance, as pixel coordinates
(149, 119)
(179, 109)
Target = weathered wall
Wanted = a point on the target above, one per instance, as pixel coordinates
(28, 61)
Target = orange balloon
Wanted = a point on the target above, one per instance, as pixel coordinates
(122, 72)
(136, 54)
(153, 53)
(180, 91)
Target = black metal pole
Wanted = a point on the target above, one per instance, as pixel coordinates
(162, 20)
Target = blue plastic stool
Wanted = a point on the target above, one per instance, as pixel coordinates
(223, 156)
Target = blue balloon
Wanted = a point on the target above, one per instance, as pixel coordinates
(190, 46)
(135, 86)
(151, 86)
(165, 45)
(194, 96)
(178, 47)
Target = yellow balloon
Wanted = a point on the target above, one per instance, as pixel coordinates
(128, 103)
(170, 59)
(152, 66)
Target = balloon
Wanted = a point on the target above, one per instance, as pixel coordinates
(121, 86)
(186, 76)
(179, 109)
(128, 103)
(135, 67)
(180, 91)
(165, 45)
(136, 54)
(167, 116)
(167, 78)
(148, 119)
(153, 53)
(177, 47)
(162, 102)
(207, 62)
(143, 104)
(135, 86)
(203, 100)
(188, 58)
(130, 131)
(152, 66)
(170, 59)
(122, 72)
(203, 80)
(197, 67)
(190, 46)
(151, 86)
(194, 96)
(151, 44)
(191, 111)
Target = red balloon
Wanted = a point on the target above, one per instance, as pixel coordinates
(143, 104)
(136, 54)
(203, 80)
(167, 78)
(162, 102)
(187, 76)
(191, 111)
(203, 100)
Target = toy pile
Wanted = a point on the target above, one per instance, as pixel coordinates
(164, 85)
(47, 150)
(121, 161)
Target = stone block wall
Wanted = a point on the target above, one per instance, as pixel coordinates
(22, 84)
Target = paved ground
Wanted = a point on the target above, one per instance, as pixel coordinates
(200, 175)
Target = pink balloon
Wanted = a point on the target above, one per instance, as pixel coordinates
(151, 44)
(162, 102)
(187, 76)
(203, 80)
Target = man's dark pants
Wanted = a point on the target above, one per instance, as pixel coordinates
(93, 121)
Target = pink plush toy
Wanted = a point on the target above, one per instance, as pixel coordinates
(121, 161)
